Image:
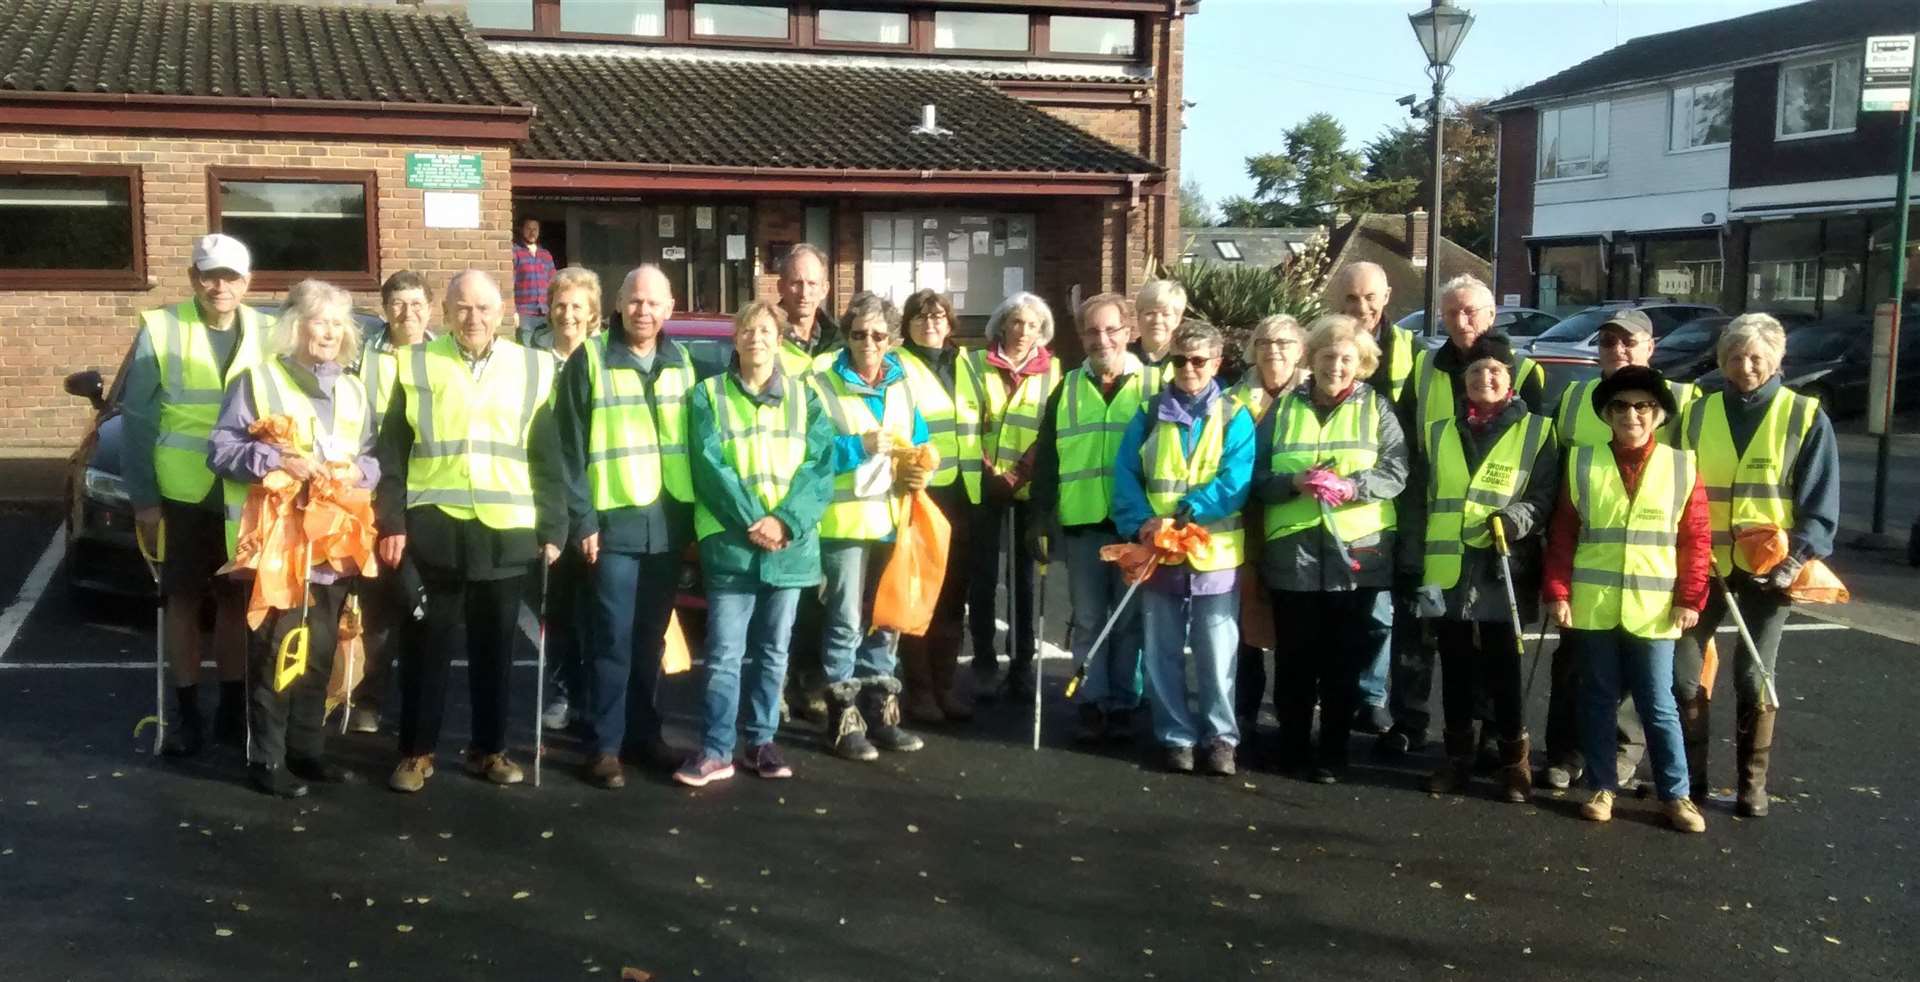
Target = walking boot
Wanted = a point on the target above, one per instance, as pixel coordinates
(880, 710)
(846, 730)
(917, 672)
(1456, 772)
(1693, 733)
(1516, 772)
(187, 735)
(1755, 745)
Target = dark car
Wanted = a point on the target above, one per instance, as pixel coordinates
(1563, 371)
(1688, 352)
(1579, 335)
(102, 556)
(1832, 359)
(1514, 322)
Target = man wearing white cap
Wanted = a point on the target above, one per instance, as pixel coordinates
(183, 359)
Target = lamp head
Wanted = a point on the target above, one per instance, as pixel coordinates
(1441, 28)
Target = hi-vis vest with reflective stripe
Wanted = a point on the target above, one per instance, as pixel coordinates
(983, 409)
(795, 362)
(1433, 389)
(853, 512)
(629, 458)
(1627, 562)
(1170, 473)
(1458, 504)
(276, 393)
(1755, 488)
(1349, 442)
(935, 402)
(191, 385)
(1399, 360)
(469, 455)
(1578, 424)
(765, 444)
(1089, 429)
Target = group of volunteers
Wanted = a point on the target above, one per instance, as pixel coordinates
(1357, 507)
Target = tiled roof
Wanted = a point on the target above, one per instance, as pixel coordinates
(1264, 247)
(246, 50)
(1382, 239)
(1726, 42)
(735, 113)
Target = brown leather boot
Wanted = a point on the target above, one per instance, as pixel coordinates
(917, 672)
(1453, 775)
(1516, 772)
(1754, 741)
(943, 655)
(1693, 733)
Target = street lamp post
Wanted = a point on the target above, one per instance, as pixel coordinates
(1440, 29)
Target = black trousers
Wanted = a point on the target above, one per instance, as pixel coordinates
(986, 577)
(1478, 657)
(383, 617)
(1334, 637)
(474, 619)
(292, 722)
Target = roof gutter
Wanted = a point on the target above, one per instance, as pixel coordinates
(270, 103)
(640, 176)
(1636, 83)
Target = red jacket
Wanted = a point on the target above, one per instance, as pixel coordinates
(1003, 485)
(1695, 544)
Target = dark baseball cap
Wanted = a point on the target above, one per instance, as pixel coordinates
(1629, 320)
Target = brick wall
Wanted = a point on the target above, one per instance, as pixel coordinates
(1518, 145)
(1123, 126)
(44, 335)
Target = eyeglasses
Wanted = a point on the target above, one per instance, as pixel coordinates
(1117, 331)
(1619, 341)
(1189, 361)
(932, 315)
(1279, 344)
(877, 337)
(1621, 406)
(1469, 311)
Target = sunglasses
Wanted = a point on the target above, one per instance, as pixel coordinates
(1619, 341)
(877, 337)
(1189, 361)
(1620, 406)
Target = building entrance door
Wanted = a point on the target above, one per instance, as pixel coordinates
(703, 248)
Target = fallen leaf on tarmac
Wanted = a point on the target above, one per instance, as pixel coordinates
(446, 835)
(548, 834)
(521, 895)
(403, 928)
(700, 880)
(1146, 951)
(630, 974)
(590, 916)
(1781, 950)
(221, 932)
(1584, 869)
(913, 828)
(1830, 939)
(335, 895)
(1616, 929)
(1470, 896)
(941, 900)
(242, 908)
(369, 901)
(353, 964)
(1077, 859)
(676, 831)
(1253, 896)
(1435, 884)
(819, 811)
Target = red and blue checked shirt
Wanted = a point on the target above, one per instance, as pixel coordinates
(532, 274)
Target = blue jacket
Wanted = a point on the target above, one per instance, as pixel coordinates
(1213, 501)
(848, 451)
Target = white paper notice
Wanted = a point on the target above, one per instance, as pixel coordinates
(703, 218)
(959, 301)
(957, 246)
(666, 226)
(673, 254)
(1016, 243)
(452, 209)
(933, 276)
(880, 234)
(930, 248)
(1013, 279)
(736, 246)
(1000, 247)
(956, 276)
(930, 223)
(981, 242)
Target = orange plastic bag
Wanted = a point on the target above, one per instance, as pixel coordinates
(909, 586)
(677, 658)
(1762, 547)
(1171, 545)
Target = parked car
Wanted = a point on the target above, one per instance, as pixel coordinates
(1579, 335)
(1562, 371)
(1688, 352)
(1515, 322)
(102, 556)
(1832, 360)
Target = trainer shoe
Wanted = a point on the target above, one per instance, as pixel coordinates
(1684, 816)
(1599, 808)
(765, 761)
(411, 774)
(1560, 776)
(495, 767)
(702, 769)
(557, 715)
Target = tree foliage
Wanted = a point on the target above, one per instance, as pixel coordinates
(1402, 157)
(1195, 212)
(1235, 296)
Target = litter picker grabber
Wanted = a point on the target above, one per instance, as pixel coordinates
(540, 679)
(153, 559)
(1770, 694)
(1039, 647)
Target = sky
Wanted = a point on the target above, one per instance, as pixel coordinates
(1257, 67)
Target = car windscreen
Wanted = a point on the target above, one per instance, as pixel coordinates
(1692, 338)
(1821, 343)
(710, 355)
(1561, 374)
(1579, 327)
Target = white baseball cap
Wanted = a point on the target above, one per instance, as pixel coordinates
(219, 251)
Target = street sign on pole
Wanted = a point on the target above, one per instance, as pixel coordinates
(1887, 74)
(1888, 55)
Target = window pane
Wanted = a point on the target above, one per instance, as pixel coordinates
(65, 223)
(646, 18)
(1686, 270)
(506, 15)
(1093, 35)
(1712, 114)
(1680, 137)
(1806, 102)
(740, 20)
(980, 32)
(298, 225)
(1569, 277)
(1846, 96)
(1549, 143)
(1783, 266)
(1597, 143)
(1576, 138)
(862, 27)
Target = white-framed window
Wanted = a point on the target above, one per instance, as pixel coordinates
(1228, 250)
(1573, 140)
(970, 30)
(730, 18)
(1702, 115)
(641, 18)
(1818, 97)
(836, 26)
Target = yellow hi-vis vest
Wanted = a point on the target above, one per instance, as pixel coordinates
(1349, 442)
(1755, 488)
(469, 456)
(1578, 424)
(1399, 355)
(1433, 389)
(633, 448)
(191, 385)
(1008, 423)
(276, 393)
(766, 445)
(935, 402)
(379, 363)
(855, 512)
(1089, 429)
(1458, 503)
(1171, 472)
(1627, 561)
(795, 362)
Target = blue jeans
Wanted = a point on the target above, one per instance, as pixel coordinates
(760, 620)
(1645, 665)
(632, 601)
(1096, 588)
(847, 649)
(1373, 678)
(1211, 626)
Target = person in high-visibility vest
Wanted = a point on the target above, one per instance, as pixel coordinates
(621, 408)
(931, 361)
(573, 320)
(762, 451)
(806, 281)
(1627, 567)
(1769, 458)
(407, 302)
(1362, 291)
(1187, 457)
(1329, 463)
(472, 490)
(1159, 308)
(1494, 461)
(303, 379)
(1626, 338)
(565, 330)
(1071, 513)
(1000, 391)
(184, 357)
(1274, 353)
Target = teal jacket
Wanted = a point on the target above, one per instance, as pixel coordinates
(727, 560)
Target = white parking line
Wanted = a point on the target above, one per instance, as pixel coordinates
(31, 590)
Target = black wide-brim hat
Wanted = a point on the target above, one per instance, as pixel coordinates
(1628, 378)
